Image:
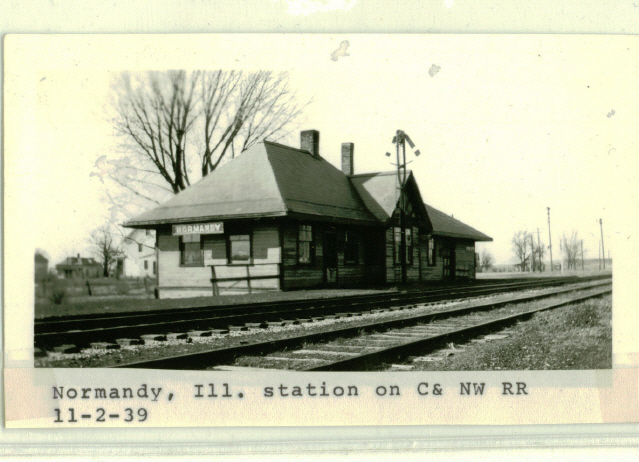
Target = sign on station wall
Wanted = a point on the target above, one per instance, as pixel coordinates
(199, 228)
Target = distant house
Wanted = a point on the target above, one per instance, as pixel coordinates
(79, 268)
(138, 259)
(41, 266)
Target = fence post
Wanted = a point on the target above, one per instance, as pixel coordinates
(216, 289)
(248, 279)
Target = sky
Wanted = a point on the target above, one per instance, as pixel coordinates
(506, 125)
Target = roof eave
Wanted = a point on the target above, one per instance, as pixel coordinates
(145, 224)
(463, 236)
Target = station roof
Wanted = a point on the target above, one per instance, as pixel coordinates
(445, 225)
(271, 180)
(267, 180)
(380, 193)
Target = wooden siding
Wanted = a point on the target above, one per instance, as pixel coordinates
(430, 273)
(301, 275)
(393, 271)
(464, 259)
(297, 275)
(178, 281)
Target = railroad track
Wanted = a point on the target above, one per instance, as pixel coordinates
(366, 346)
(72, 333)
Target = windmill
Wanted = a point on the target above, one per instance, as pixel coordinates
(399, 140)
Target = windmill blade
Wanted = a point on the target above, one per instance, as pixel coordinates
(410, 142)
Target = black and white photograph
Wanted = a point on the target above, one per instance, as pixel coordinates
(220, 222)
(404, 215)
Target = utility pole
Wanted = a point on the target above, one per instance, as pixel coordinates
(539, 250)
(599, 254)
(549, 239)
(582, 255)
(603, 251)
(532, 254)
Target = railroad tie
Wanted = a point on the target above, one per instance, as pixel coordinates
(284, 358)
(128, 341)
(104, 346)
(325, 352)
(155, 337)
(401, 367)
(199, 333)
(66, 349)
(177, 336)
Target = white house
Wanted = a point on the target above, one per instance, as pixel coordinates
(139, 258)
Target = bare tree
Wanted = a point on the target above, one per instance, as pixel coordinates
(570, 247)
(104, 247)
(520, 245)
(486, 261)
(155, 114)
(540, 254)
(241, 109)
(175, 123)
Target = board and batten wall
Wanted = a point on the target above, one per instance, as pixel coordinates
(176, 281)
(464, 259)
(300, 276)
(394, 271)
(435, 272)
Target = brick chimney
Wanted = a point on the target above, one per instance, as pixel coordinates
(309, 141)
(348, 167)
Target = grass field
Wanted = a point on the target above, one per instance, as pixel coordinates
(572, 337)
(143, 302)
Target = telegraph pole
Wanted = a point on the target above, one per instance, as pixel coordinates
(582, 255)
(532, 253)
(539, 250)
(549, 239)
(603, 251)
(599, 254)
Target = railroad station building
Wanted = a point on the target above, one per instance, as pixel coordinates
(282, 218)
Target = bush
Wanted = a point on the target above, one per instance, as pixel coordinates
(58, 294)
(585, 315)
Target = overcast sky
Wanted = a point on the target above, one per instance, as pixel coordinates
(506, 125)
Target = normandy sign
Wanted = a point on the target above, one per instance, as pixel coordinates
(199, 228)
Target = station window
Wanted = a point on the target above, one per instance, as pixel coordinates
(239, 249)
(146, 264)
(155, 268)
(139, 247)
(191, 253)
(305, 244)
(431, 252)
(350, 248)
(397, 239)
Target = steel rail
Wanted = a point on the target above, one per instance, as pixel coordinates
(61, 323)
(214, 357)
(205, 320)
(367, 361)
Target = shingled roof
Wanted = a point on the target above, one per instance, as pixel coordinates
(380, 193)
(269, 179)
(445, 225)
